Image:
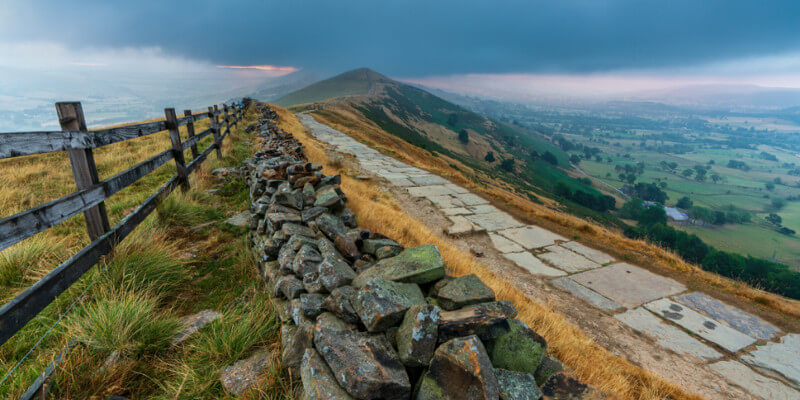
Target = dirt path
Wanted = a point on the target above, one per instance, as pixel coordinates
(651, 320)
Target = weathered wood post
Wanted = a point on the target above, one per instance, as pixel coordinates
(227, 120)
(190, 129)
(215, 130)
(177, 147)
(84, 170)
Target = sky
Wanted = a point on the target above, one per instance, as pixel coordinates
(582, 46)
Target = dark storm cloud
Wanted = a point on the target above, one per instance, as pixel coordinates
(406, 38)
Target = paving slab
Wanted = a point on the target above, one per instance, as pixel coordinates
(742, 321)
(531, 237)
(532, 264)
(427, 191)
(758, 385)
(586, 294)
(445, 201)
(456, 211)
(456, 188)
(470, 199)
(588, 252)
(566, 260)
(782, 358)
(483, 209)
(401, 182)
(461, 226)
(427, 180)
(667, 336)
(709, 329)
(628, 285)
(504, 245)
(391, 175)
(493, 221)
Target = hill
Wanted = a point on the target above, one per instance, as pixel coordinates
(352, 83)
(497, 152)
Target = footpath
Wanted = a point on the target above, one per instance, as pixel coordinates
(731, 344)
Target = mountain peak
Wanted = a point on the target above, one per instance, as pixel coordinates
(357, 82)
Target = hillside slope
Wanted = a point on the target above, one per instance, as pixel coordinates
(518, 158)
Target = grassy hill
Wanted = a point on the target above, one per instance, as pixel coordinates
(500, 153)
(352, 83)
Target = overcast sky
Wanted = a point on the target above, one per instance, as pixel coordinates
(432, 41)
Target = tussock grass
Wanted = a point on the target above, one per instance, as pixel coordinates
(592, 363)
(183, 210)
(126, 322)
(22, 264)
(548, 215)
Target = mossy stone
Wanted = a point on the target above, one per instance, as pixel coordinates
(519, 349)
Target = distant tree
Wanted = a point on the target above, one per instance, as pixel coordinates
(630, 178)
(575, 159)
(452, 119)
(598, 158)
(769, 186)
(489, 157)
(716, 177)
(649, 192)
(711, 162)
(684, 202)
(662, 184)
(778, 203)
(688, 172)
(653, 215)
(463, 136)
(507, 165)
(550, 157)
(777, 181)
(622, 177)
(608, 174)
(774, 219)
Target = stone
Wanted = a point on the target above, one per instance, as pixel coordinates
(306, 260)
(381, 303)
(464, 291)
(294, 346)
(724, 336)
(628, 285)
(460, 369)
(532, 264)
(289, 286)
(757, 384)
(422, 264)
(779, 358)
(456, 211)
(486, 320)
(335, 272)
(562, 386)
(566, 260)
(311, 304)
(192, 323)
(425, 180)
(428, 191)
(445, 201)
(298, 317)
(532, 237)
(329, 321)
(742, 321)
(327, 196)
(416, 337)
(319, 383)
(309, 214)
(284, 310)
(586, 294)
(547, 368)
(517, 385)
(288, 198)
(364, 364)
(469, 199)
(276, 220)
(494, 221)
(666, 336)
(519, 349)
(503, 244)
(243, 374)
(460, 226)
(312, 284)
(387, 251)
(340, 303)
(588, 252)
(291, 228)
(371, 246)
(241, 219)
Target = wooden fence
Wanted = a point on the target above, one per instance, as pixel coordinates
(78, 142)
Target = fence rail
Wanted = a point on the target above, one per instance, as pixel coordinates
(78, 142)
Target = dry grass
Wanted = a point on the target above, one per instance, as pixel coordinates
(776, 308)
(593, 364)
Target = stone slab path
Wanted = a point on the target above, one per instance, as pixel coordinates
(689, 323)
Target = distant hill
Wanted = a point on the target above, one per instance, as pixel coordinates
(506, 154)
(352, 83)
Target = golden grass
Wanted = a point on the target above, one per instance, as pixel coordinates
(775, 307)
(592, 363)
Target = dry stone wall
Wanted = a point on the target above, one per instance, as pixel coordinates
(365, 318)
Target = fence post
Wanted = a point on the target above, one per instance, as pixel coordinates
(177, 148)
(215, 130)
(190, 129)
(227, 121)
(84, 170)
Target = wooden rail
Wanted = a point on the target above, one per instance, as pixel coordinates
(78, 142)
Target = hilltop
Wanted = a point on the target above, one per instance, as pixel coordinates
(357, 82)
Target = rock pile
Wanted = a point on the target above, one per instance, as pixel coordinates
(365, 318)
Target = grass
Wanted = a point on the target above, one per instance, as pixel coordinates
(164, 270)
(595, 365)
